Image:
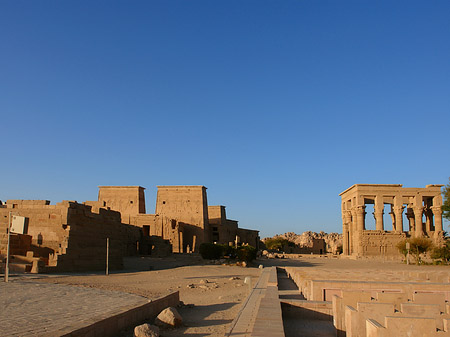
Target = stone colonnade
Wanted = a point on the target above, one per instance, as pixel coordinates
(416, 201)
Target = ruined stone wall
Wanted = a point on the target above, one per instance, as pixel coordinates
(47, 224)
(71, 236)
(86, 247)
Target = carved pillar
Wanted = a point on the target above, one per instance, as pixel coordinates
(418, 212)
(410, 216)
(437, 212)
(429, 219)
(378, 213)
(347, 219)
(354, 234)
(392, 214)
(360, 217)
(398, 211)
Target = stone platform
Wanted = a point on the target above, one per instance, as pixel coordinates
(31, 308)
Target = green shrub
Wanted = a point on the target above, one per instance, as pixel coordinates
(417, 247)
(278, 243)
(210, 251)
(228, 251)
(246, 253)
(442, 254)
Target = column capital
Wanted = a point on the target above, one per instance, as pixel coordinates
(399, 208)
(347, 216)
(360, 209)
(437, 210)
(418, 208)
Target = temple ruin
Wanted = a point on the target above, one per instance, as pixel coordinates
(182, 216)
(72, 236)
(421, 208)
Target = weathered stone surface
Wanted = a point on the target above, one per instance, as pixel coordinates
(421, 206)
(169, 317)
(146, 330)
(309, 242)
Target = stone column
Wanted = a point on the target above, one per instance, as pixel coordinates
(398, 211)
(410, 216)
(378, 213)
(360, 217)
(428, 219)
(354, 234)
(392, 214)
(437, 212)
(347, 219)
(418, 212)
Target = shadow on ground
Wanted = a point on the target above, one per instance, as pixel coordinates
(286, 263)
(194, 318)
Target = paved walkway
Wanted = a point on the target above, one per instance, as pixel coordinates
(30, 308)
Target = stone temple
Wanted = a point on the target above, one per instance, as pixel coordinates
(71, 236)
(421, 207)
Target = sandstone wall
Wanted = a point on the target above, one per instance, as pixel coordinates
(71, 236)
(187, 205)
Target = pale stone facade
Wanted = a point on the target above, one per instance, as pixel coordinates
(182, 216)
(422, 207)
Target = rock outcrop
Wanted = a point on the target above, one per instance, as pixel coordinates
(333, 241)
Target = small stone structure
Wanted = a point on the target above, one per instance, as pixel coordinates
(423, 211)
(226, 231)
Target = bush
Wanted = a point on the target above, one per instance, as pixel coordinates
(417, 247)
(246, 253)
(210, 251)
(401, 246)
(278, 243)
(442, 254)
(228, 251)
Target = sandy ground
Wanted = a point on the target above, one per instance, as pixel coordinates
(211, 293)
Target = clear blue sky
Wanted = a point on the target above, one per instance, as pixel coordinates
(275, 106)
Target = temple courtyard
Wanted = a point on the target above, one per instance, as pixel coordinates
(216, 300)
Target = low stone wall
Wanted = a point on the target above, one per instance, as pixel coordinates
(260, 314)
(312, 310)
(411, 304)
(128, 319)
